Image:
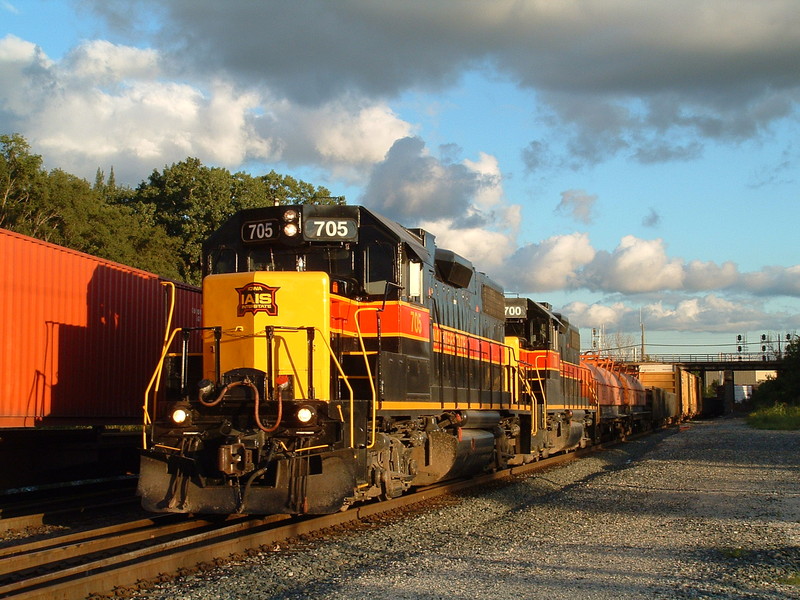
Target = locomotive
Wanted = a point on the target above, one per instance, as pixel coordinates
(347, 358)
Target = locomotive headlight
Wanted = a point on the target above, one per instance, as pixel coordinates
(290, 229)
(181, 415)
(305, 414)
(290, 215)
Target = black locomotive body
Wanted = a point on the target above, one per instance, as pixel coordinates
(344, 358)
(347, 358)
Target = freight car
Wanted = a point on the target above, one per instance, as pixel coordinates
(79, 335)
(347, 358)
(677, 393)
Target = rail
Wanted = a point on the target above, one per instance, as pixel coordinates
(114, 560)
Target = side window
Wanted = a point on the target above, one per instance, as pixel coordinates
(555, 338)
(223, 260)
(414, 288)
(380, 267)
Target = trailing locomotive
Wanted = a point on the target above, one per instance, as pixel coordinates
(347, 358)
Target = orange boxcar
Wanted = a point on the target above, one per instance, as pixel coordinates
(79, 336)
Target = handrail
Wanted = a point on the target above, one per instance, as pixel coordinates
(540, 379)
(369, 373)
(526, 383)
(591, 384)
(349, 387)
(339, 368)
(171, 312)
(157, 375)
(154, 381)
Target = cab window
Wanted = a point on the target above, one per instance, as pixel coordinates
(379, 267)
(223, 260)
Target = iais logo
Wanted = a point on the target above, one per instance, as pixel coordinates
(257, 297)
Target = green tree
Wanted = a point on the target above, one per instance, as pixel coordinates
(64, 209)
(191, 200)
(785, 388)
(159, 226)
(284, 189)
(23, 203)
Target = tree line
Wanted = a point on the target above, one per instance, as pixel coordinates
(157, 226)
(784, 389)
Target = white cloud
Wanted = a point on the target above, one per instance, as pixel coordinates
(24, 77)
(635, 266)
(8, 7)
(774, 280)
(490, 190)
(410, 184)
(710, 313)
(486, 249)
(461, 203)
(552, 264)
(110, 105)
(699, 275)
(348, 135)
(650, 79)
(99, 62)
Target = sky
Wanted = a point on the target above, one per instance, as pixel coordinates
(633, 163)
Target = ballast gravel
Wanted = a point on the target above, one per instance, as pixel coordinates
(707, 510)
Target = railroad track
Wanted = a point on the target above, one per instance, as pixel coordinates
(99, 562)
(37, 507)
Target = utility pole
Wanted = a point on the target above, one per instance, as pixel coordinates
(641, 324)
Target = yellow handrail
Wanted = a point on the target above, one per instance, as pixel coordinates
(528, 388)
(349, 387)
(154, 381)
(157, 374)
(369, 373)
(541, 380)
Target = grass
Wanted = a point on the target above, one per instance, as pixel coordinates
(734, 552)
(791, 580)
(780, 416)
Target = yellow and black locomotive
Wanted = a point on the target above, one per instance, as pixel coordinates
(346, 358)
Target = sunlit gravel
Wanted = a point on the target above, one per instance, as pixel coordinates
(710, 510)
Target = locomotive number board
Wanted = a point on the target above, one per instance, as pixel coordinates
(330, 229)
(259, 231)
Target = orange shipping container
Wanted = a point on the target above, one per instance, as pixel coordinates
(79, 336)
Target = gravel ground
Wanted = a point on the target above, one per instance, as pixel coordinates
(708, 511)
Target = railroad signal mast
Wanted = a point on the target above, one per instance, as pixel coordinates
(771, 345)
(768, 343)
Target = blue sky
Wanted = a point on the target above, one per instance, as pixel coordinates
(621, 160)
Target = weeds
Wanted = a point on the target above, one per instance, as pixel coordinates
(734, 552)
(791, 580)
(779, 416)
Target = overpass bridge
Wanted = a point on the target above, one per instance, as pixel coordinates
(726, 363)
(734, 361)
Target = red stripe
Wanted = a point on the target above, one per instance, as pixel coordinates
(397, 319)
